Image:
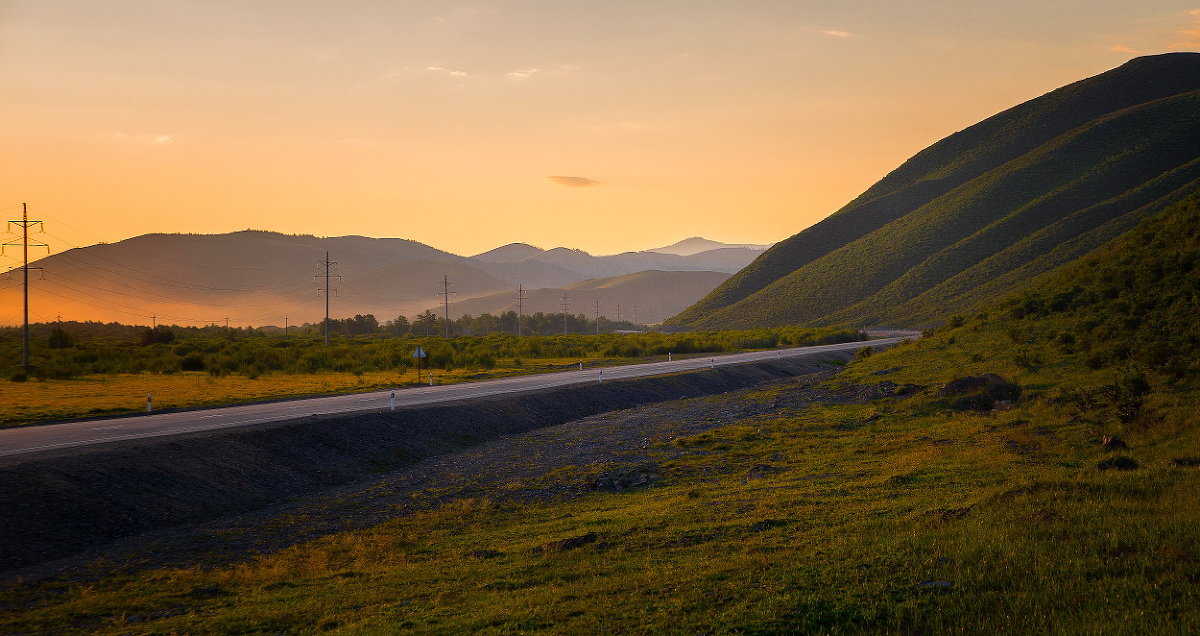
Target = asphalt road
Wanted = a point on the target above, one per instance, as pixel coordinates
(32, 439)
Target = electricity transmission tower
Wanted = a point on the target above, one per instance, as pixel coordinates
(445, 294)
(596, 314)
(326, 290)
(25, 224)
(565, 304)
(522, 296)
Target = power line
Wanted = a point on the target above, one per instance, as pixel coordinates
(327, 263)
(445, 294)
(565, 303)
(25, 224)
(522, 296)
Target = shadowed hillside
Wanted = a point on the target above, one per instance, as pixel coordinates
(654, 295)
(981, 212)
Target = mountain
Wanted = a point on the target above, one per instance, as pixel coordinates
(697, 244)
(984, 211)
(257, 278)
(252, 277)
(534, 267)
(653, 294)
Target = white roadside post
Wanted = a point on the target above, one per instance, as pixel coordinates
(430, 379)
(581, 365)
(393, 400)
(600, 376)
(668, 356)
(149, 402)
(712, 363)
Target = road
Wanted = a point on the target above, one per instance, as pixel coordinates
(33, 439)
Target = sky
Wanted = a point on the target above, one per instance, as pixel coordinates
(608, 125)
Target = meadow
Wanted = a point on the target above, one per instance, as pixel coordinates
(110, 375)
(1031, 468)
(902, 514)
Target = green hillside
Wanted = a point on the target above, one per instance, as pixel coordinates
(987, 209)
(1067, 506)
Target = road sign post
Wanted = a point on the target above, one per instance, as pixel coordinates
(420, 355)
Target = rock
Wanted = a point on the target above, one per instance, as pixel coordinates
(624, 479)
(935, 585)
(485, 554)
(760, 471)
(980, 393)
(566, 544)
(1112, 442)
(1120, 462)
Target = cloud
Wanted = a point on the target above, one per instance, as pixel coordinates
(1121, 48)
(144, 138)
(448, 71)
(525, 73)
(839, 34)
(573, 182)
(1189, 36)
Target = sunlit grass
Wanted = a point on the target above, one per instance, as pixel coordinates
(117, 394)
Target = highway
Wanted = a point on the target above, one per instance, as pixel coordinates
(33, 439)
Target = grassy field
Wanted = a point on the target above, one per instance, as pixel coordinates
(118, 394)
(897, 515)
(112, 376)
(1067, 508)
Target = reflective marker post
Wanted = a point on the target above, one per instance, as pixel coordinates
(149, 402)
(393, 400)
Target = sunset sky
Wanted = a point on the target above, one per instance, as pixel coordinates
(608, 126)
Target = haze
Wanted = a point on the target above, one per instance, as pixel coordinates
(606, 126)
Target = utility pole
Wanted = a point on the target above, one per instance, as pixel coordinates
(25, 224)
(285, 326)
(635, 316)
(596, 314)
(327, 263)
(521, 297)
(565, 304)
(226, 323)
(445, 294)
(618, 311)
(154, 321)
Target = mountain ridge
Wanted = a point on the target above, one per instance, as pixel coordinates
(1120, 144)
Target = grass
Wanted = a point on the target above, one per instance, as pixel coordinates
(889, 516)
(901, 515)
(124, 394)
(985, 211)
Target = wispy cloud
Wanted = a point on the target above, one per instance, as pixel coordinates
(1121, 48)
(524, 73)
(1189, 36)
(143, 138)
(838, 34)
(448, 71)
(573, 182)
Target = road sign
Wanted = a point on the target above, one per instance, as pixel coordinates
(419, 353)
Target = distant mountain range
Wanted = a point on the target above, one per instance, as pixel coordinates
(257, 277)
(985, 211)
(646, 296)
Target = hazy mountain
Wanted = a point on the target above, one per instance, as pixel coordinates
(252, 277)
(697, 244)
(256, 278)
(565, 262)
(654, 295)
(984, 211)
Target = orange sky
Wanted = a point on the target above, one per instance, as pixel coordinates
(442, 122)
